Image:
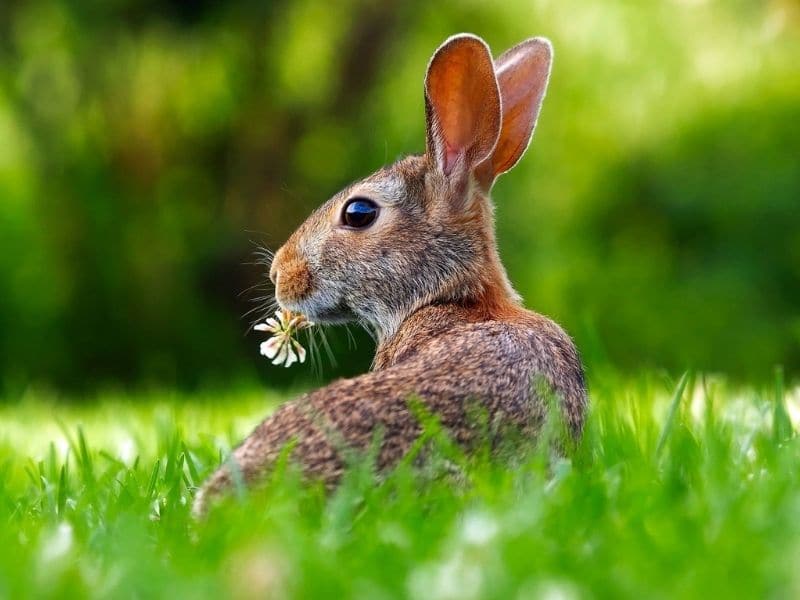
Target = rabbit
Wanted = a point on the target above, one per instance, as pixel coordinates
(411, 252)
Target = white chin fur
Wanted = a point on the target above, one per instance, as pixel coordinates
(329, 310)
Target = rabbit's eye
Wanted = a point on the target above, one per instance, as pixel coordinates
(359, 213)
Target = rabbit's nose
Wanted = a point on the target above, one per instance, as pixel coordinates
(273, 273)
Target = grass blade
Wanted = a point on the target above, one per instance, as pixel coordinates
(193, 472)
(673, 411)
(61, 498)
(151, 485)
(781, 424)
(85, 459)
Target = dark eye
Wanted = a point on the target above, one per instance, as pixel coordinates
(359, 212)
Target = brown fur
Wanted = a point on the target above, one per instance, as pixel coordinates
(294, 275)
(428, 278)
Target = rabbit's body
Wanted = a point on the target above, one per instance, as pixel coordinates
(411, 251)
(445, 356)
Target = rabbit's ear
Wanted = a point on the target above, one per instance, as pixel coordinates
(462, 104)
(522, 74)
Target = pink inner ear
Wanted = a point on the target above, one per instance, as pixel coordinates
(463, 101)
(450, 158)
(522, 73)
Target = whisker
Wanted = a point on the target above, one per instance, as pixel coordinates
(263, 311)
(327, 347)
(263, 255)
(315, 357)
(351, 339)
(366, 326)
(256, 287)
(258, 262)
(262, 290)
(261, 306)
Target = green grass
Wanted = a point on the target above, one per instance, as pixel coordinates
(683, 489)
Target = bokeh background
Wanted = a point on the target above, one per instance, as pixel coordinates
(147, 147)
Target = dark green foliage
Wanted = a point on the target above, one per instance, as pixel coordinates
(146, 144)
(703, 233)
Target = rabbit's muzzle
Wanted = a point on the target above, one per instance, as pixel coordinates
(290, 274)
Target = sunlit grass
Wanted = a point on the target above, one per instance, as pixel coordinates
(678, 489)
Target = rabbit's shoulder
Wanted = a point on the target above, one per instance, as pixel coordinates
(492, 358)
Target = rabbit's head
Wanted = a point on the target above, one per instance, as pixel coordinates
(421, 230)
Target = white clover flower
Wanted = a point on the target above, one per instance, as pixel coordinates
(282, 348)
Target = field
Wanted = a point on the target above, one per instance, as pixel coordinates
(678, 489)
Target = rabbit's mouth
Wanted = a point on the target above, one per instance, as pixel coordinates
(320, 311)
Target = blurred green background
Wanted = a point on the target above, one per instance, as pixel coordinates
(146, 147)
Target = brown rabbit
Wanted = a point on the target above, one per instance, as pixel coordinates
(411, 252)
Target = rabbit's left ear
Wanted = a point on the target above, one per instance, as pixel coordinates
(462, 104)
(522, 74)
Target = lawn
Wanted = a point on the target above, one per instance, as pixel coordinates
(675, 491)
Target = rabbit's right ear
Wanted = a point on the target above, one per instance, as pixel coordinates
(462, 105)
